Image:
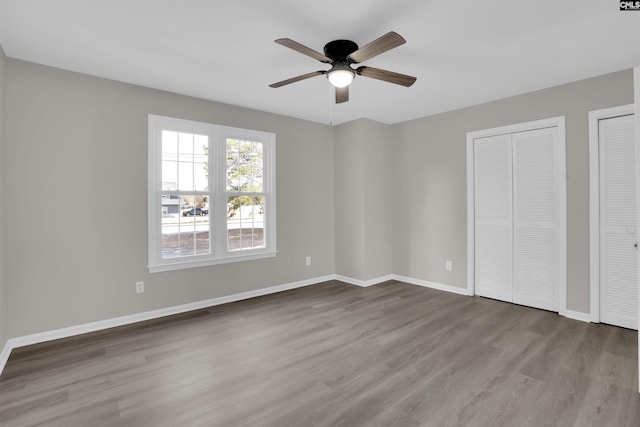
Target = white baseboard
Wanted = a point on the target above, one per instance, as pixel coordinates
(418, 282)
(432, 285)
(163, 312)
(577, 315)
(147, 315)
(363, 283)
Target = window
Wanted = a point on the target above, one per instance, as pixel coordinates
(211, 194)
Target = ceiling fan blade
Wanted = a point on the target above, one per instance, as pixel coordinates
(376, 47)
(342, 94)
(387, 76)
(298, 78)
(303, 49)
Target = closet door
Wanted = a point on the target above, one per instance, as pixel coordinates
(535, 240)
(618, 267)
(493, 217)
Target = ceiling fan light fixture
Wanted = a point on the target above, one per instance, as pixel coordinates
(341, 75)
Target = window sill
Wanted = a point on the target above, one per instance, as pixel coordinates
(183, 264)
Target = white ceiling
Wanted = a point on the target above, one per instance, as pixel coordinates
(462, 52)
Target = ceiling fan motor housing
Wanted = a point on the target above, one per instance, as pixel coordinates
(338, 50)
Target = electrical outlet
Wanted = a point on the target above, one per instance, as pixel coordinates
(307, 261)
(139, 287)
(448, 265)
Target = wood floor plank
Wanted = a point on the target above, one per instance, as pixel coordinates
(333, 354)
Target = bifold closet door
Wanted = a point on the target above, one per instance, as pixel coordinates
(618, 267)
(535, 219)
(517, 217)
(493, 217)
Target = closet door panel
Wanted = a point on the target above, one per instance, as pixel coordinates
(618, 265)
(494, 217)
(535, 239)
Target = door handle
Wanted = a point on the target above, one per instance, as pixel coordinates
(635, 245)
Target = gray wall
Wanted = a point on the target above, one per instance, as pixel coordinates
(394, 197)
(362, 155)
(378, 209)
(349, 201)
(3, 284)
(77, 192)
(429, 169)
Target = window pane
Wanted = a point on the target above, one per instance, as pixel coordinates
(232, 165)
(169, 175)
(185, 161)
(169, 145)
(185, 176)
(201, 162)
(245, 222)
(185, 146)
(169, 160)
(244, 165)
(185, 225)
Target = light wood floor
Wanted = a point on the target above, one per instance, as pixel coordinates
(333, 355)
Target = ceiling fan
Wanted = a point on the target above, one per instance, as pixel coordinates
(341, 54)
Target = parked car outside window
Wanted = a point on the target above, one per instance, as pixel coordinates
(196, 211)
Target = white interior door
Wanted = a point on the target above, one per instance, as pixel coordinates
(536, 269)
(493, 217)
(518, 215)
(618, 236)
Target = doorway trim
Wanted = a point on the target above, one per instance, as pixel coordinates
(594, 201)
(558, 122)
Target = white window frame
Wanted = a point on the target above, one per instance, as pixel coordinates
(217, 135)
